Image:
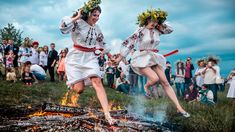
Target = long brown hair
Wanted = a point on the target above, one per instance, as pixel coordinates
(180, 68)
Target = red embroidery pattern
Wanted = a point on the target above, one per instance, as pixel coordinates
(125, 43)
(100, 37)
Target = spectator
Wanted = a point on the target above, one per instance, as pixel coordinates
(231, 91)
(133, 79)
(205, 95)
(11, 75)
(24, 53)
(198, 73)
(4, 45)
(61, 68)
(168, 72)
(10, 60)
(27, 76)
(122, 84)
(37, 71)
(118, 71)
(15, 50)
(179, 79)
(52, 58)
(110, 72)
(188, 72)
(210, 72)
(191, 94)
(141, 82)
(2, 58)
(43, 59)
(34, 58)
(101, 60)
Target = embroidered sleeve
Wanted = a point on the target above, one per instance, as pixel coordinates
(130, 42)
(66, 25)
(168, 29)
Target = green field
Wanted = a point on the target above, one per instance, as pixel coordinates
(204, 118)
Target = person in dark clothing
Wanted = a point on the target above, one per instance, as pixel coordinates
(118, 71)
(52, 58)
(191, 94)
(188, 72)
(110, 71)
(101, 60)
(27, 76)
(168, 72)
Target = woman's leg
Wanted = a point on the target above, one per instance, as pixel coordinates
(152, 78)
(78, 88)
(101, 94)
(167, 88)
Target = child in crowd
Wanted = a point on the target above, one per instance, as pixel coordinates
(11, 75)
(27, 76)
(191, 94)
(206, 96)
(61, 68)
(9, 59)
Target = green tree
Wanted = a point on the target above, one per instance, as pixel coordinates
(10, 32)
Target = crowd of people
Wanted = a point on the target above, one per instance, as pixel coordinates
(29, 62)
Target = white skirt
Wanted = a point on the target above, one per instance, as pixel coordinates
(231, 91)
(80, 66)
(141, 59)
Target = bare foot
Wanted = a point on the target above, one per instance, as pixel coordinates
(146, 90)
(110, 120)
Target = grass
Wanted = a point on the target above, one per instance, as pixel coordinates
(220, 117)
(217, 118)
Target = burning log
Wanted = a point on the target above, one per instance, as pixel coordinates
(47, 107)
(53, 118)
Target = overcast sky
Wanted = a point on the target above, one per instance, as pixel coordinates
(201, 27)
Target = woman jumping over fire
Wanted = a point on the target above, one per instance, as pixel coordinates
(145, 60)
(81, 62)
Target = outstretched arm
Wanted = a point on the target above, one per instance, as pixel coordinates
(67, 23)
(164, 28)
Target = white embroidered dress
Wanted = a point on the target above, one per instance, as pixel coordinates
(145, 40)
(80, 65)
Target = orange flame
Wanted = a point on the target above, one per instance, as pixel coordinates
(70, 99)
(41, 113)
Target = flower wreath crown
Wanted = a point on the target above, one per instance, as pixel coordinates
(153, 15)
(91, 4)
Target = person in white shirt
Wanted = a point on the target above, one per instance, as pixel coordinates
(210, 72)
(198, 73)
(37, 71)
(43, 58)
(34, 58)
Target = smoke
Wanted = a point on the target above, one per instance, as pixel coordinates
(148, 109)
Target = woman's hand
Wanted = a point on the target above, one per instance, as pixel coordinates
(160, 27)
(118, 59)
(78, 16)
